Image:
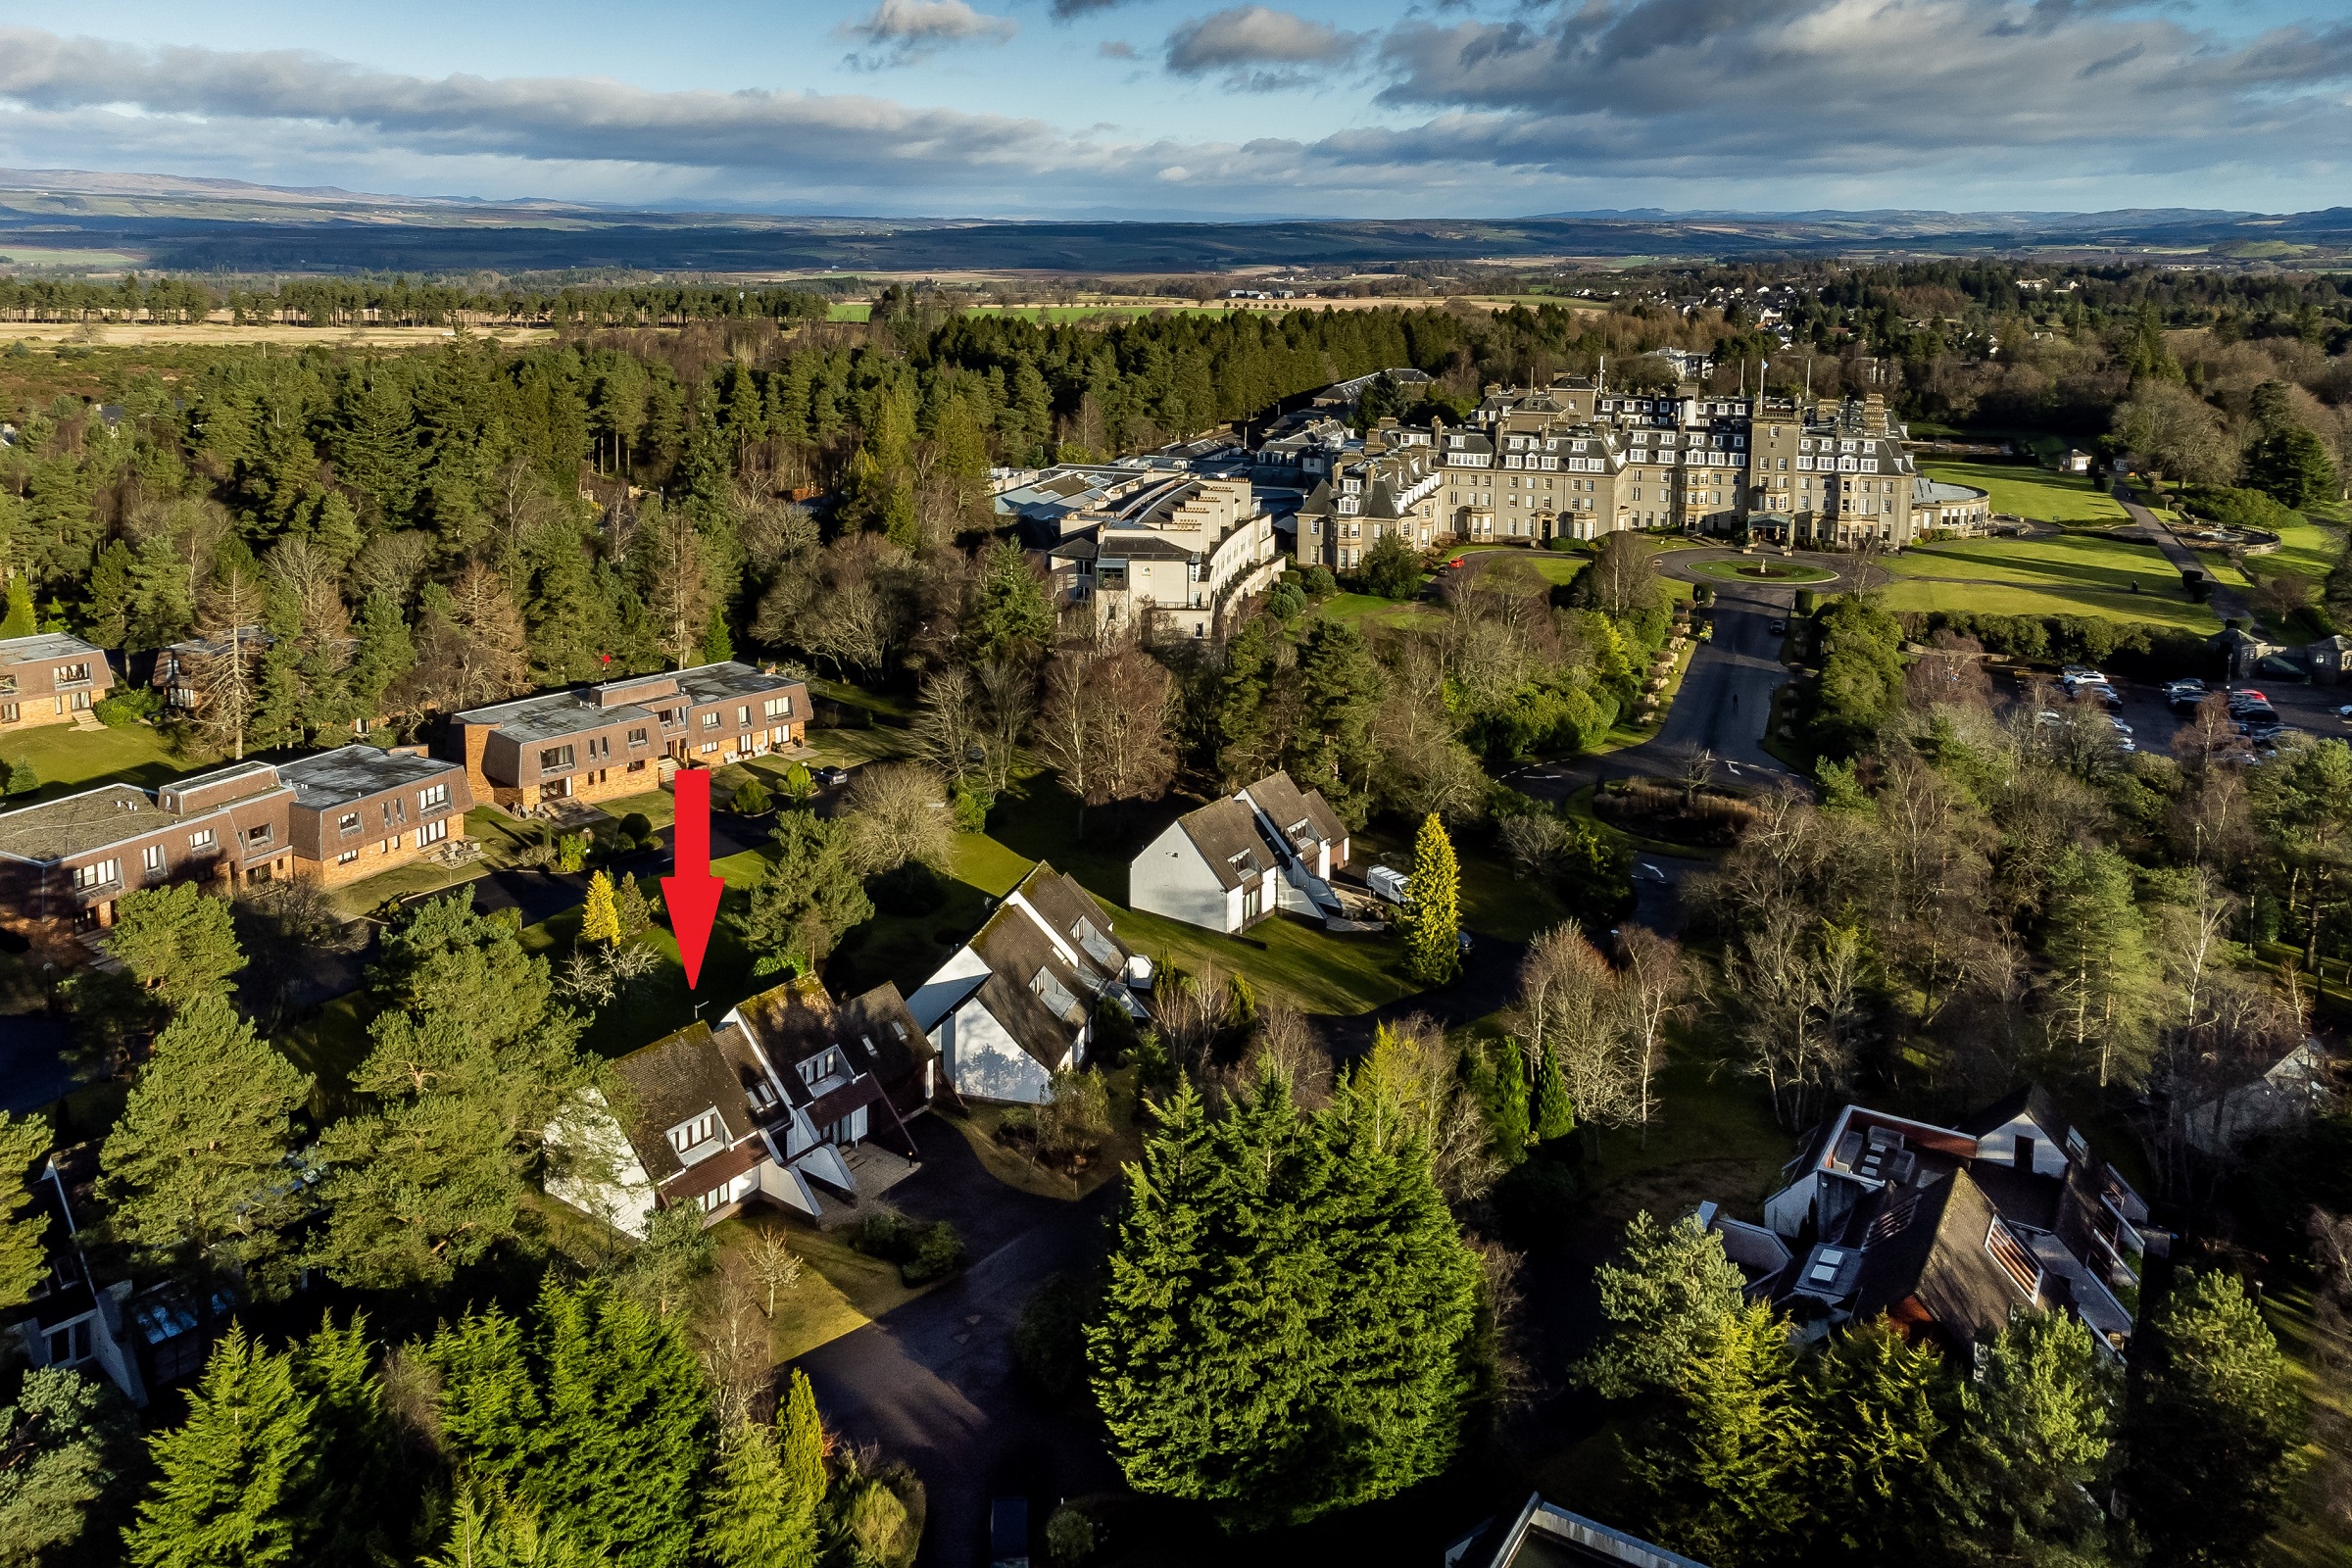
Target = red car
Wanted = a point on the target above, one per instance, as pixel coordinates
(1455, 561)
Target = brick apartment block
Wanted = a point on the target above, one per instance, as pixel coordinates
(599, 743)
(50, 679)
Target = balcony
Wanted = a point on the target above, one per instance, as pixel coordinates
(89, 893)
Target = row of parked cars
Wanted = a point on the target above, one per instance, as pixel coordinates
(2251, 711)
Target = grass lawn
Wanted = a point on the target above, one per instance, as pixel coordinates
(2323, 1367)
(840, 1290)
(1369, 610)
(979, 1121)
(883, 705)
(2072, 574)
(2308, 549)
(1994, 599)
(67, 760)
(848, 311)
(2024, 490)
(1496, 901)
(1761, 571)
(851, 748)
(1580, 804)
(1714, 1137)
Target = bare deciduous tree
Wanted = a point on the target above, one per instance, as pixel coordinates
(897, 812)
(1569, 1009)
(1651, 990)
(1104, 725)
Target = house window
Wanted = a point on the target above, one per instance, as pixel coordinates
(709, 746)
(743, 715)
(67, 674)
(348, 822)
(97, 874)
(781, 706)
(2014, 1261)
(687, 1134)
(432, 798)
(200, 841)
(347, 856)
(822, 1066)
(8, 685)
(9, 713)
(637, 737)
(432, 832)
(712, 1202)
(555, 757)
(710, 719)
(71, 1345)
(255, 838)
(153, 858)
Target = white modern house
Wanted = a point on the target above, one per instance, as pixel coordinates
(771, 1104)
(1234, 862)
(1016, 1002)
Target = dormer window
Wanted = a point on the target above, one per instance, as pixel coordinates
(826, 1064)
(688, 1136)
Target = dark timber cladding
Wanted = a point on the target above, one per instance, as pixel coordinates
(601, 742)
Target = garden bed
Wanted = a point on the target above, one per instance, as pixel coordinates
(1708, 818)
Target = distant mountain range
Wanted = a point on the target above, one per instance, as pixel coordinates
(69, 218)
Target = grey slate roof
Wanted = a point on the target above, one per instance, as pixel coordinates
(1040, 996)
(547, 715)
(1225, 832)
(1931, 1246)
(673, 1079)
(1286, 805)
(354, 773)
(42, 646)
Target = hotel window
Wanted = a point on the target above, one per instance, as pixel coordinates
(743, 715)
(200, 839)
(431, 797)
(432, 832)
(555, 757)
(255, 838)
(154, 857)
(637, 737)
(710, 719)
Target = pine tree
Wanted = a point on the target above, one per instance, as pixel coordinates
(600, 922)
(1880, 1491)
(2212, 1428)
(23, 1245)
(195, 1171)
(1722, 1468)
(802, 1454)
(1669, 1290)
(358, 1503)
(717, 643)
(1507, 1102)
(231, 1477)
(19, 620)
(69, 1453)
(2037, 1438)
(178, 942)
(1007, 612)
(2103, 973)
(749, 1519)
(1432, 919)
(1551, 1113)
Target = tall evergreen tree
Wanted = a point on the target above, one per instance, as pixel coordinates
(1723, 1468)
(1665, 1295)
(2214, 1426)
(359, 1503)
(1551, 1112)
(68, 1466)
(2036, 1443)
(177, 942)
(1432, 915)
(2103, 971)
(1878, 1484)
(195, 1173)
(600, 917)
(23, 1236)
(231, 1478)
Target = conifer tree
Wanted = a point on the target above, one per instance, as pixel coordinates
(761, 1508)
(1722, 1468)
(1551, 1113)
(69, 1450)
(23, 1245)
(2037, 1443)
(1664, 1295)
(230, 1480)
(359, 1502)
(600, 920)
(178, 942)
(2214, 1424)
(1432, 918)
(194, 1174)
(1877, 1481)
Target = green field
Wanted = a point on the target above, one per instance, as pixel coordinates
(67, 758)
(2308, 549)
(2025, 491)
(2070, 561)
(1746, 569)
(848, 311)
(1998, 598)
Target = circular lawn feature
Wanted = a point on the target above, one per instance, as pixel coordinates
(1745, 569)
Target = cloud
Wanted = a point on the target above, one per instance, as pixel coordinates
(1116, 49)
(1260, 49)
(1069, 10)
(1785, 89)
(899, 33)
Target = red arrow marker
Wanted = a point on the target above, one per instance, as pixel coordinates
(692, 894)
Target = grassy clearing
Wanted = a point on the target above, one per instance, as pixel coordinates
(853, 748)
(840, 1291)
(850, 311)
(1369, 610)
(980, 1121)
(2028, 491)
(1714, 1137)
(1995, 598)
(67, 759)
(1496, 900)
(1580, 804)
(2309, 548)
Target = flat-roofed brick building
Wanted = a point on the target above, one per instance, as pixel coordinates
(596, 743)
(50, 679)
(63, 863)
(360, 809)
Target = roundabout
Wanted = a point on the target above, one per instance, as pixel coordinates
(1759, 569)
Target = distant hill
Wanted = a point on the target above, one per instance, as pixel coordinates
(177, 224)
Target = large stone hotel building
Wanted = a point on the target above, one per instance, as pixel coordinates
(1575, 460)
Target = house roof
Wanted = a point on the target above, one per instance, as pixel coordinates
(875, 1031)
(1286, 806)
(2029, 1100)
(112, 813)
(673, 1080)
(1039, 992)
(42, 646)
(353, 772)
(545, 716)
(1931, 1245)
(1225, 832)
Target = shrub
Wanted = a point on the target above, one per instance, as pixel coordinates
(1807, 600)
(1048, 1347)
(1318, 582)
(910, 889)
(22, 779)
(875, 1517)
(1284, 599)
(638, 829)
(1069, 1538)
(752, 799)
(572, 852)
(1391, 569)
(1559, 541)
(970, 804)
(799, 783)
(129, 705)
(923, 1252)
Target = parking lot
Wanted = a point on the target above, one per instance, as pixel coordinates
(2306, 707)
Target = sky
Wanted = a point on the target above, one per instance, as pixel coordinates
(1169, 109)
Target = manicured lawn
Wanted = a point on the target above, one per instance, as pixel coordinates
(852, 748)
(840, 1290)
(848, 311)
(1368, 610)
(1761, 569)
(2025, 490)
(1994, 599)
(2308, 547)
(67, 759)
(1496, 900)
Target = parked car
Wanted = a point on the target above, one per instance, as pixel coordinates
(1643, 871)
(2121, 728)
(829, 776)
(2078, 674)
(2105, 694)
(1780, 628)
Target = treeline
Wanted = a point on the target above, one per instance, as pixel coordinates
(401, 302)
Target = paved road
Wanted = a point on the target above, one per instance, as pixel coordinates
(2227, 603)
(934, 1382)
